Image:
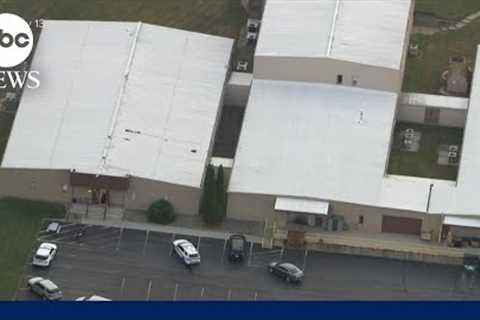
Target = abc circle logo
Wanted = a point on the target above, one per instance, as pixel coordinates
(16, 40)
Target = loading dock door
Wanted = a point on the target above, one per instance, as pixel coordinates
(401, 225)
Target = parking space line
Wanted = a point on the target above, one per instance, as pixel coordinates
(175, 292)
(145, 243)
(305, 260)
(198, 243)
(122, 288)
(223, 252)
(171, 245)
(149, 290)
(250, 254)
(119, 240)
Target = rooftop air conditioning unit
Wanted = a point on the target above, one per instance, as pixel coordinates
(242, 65)
(452, 154)
(453, 148)
(251, 36)
(253, 25)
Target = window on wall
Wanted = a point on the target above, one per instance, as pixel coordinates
(360, 220)
(339, 79)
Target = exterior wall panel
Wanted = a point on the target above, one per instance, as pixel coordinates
(253, 207)
(53, 186)
(448, 117)
(45, 185)
(325, 70)
(143, 192)
(261, 207)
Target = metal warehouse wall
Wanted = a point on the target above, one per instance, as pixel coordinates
(45, 185)
(143, 192)
(448, 117)
(261, 208)
(325, 70)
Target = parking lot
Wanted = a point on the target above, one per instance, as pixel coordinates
(124, 264)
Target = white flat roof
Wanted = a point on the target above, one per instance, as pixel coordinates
(369, 32)
(462, 222)
(326, 142)
(464, 201)
(155, 91)
(314, 141)
(434, 100)
(301, 205)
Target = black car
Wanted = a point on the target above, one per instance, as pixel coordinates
(286, 271)
(237, 245)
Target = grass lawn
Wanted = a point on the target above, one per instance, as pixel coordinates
(19, 224)
(450, 9)
(218, 17)
(423, 73)
(424, 162)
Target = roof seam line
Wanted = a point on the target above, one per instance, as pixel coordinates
(114, 119)
(332, 30)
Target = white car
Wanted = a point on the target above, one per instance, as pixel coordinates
(44, 255)
(92, 298)
(186, 251)
(45, 288)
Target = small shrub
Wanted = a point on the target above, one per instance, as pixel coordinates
(161, 211)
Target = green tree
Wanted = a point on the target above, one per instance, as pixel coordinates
(161, 211)
(210, 207)
(221, 190)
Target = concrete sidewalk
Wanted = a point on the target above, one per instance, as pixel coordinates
(204, 233)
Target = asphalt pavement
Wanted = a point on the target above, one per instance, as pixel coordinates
(124, 264)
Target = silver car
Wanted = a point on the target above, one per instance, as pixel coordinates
(93, 298)
(44, 254)
(45, 288)
(186, 251)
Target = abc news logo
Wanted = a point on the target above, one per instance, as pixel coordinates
(16, 45)
(7, 40)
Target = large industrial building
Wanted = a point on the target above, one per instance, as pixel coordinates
(127, 114)
(319, 125)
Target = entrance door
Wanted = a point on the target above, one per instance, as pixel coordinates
(401, 225)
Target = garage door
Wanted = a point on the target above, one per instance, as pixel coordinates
(401, 225)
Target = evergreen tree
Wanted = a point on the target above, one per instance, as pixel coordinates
(210, 206)
(206, 196)
(221, 191)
